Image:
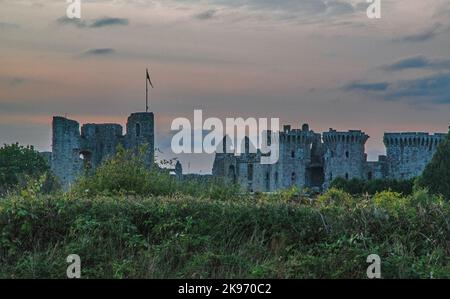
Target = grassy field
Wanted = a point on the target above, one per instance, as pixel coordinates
(260, 236)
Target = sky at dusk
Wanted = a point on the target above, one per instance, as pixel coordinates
(304, 61)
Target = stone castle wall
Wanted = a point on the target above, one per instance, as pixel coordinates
(296, 152)
(74, 151)
(309, 159)
(295, 155)
(66, 143)
(345, 156)
(409, 153)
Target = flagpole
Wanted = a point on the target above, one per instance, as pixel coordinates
(146, 92)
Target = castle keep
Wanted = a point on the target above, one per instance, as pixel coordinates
(73, 150)
(309, 159)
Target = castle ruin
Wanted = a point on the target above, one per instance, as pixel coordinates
(313, 160)
(74, 150)
(306, 159)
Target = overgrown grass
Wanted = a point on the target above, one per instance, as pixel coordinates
(358, 187)
(180, 236)
(125, 174)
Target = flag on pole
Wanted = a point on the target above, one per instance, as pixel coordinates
(149, 80)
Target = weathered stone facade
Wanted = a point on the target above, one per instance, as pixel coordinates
(345, 156)
(306, 158)
(73, 151)
(313, 160)
(409, 153)
(300, 163)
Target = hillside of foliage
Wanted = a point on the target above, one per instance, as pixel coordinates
(184, 237)
(127, 222)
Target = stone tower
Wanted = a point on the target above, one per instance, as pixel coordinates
(345, 155)
(75, 151)
(313, 160)
(409, 153)
(140, 132)
(294, 167)
(66, 142)
(295, 156)
(225, 162)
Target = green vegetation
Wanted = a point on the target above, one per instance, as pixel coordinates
(125, 174)
(19, 165)
(181, 236)
(358, 187)
(127, 222)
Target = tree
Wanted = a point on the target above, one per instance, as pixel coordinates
(125, 173)
(436, 176)
(17, 163)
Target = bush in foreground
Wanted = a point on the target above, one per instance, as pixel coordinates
(125, 174)
(358, 187)
(185, 237)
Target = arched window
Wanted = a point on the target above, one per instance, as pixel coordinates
(331, 176)
(292, 154)
(347, 154)
(293, 177)
(346, 176)
(138, 130)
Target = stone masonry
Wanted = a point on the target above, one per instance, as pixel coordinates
(307, 159)
(73, 151)
(313, 160)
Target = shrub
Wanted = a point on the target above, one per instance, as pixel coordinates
(388, 198)
(126, 174)
(353, 186)
(424, 197)
(185, 237)
(357, 187)
(19, 164)
(335, 196)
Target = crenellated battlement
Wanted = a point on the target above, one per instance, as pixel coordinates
(298, 136)
(314, 160)
(345, 154)
(413, 139)
(408, 153)
(352, 136)
(306, 158)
